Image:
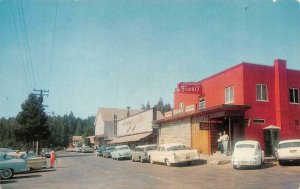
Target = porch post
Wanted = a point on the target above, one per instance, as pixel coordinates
(229, 119)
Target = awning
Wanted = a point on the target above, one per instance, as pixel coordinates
(130, 138)
(92, 139)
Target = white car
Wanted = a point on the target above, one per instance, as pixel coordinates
(173, 153)
(121, 152)
(288, 150)
(247, 153)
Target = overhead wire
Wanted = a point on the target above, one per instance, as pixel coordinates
(27, 42)
(19, 44)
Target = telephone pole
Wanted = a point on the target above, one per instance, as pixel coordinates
(42, 92)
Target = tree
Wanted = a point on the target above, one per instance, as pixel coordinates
(33, 121)
(143, 107)
(148, 107)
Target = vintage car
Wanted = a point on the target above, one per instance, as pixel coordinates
(100, 150)
(45, 152)
(173, 153)
(288, 151)
(10, 165)
(107, 152)
(33, 161)
(247, 153)
(86, 149)
(121, 152)
(140, 153)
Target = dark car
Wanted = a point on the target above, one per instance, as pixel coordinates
(107, 151)
(100, 150)
(45, 152)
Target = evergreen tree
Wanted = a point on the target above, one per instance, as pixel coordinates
(148, 107)
(33, 121)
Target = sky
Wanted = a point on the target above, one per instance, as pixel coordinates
(94, 53)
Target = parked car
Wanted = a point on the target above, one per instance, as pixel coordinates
(288, 151)
(247, 153)
(77, 149)
(107, 152)
(121, 152)
(86, 149)
(100, 150)
(173, 153)
(45, 152)
(10, 165)
(140, 153)
(33, 161)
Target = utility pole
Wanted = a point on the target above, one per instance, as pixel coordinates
(42, 92)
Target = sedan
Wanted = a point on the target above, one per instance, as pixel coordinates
(288, 151)
(33, 161)
(140, 153)
(45, 152)
(173, 153)
(247, 153)
(10, 165)
(107, 152)
(121, 152)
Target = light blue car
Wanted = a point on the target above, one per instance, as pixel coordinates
(10, 165)
(121, 152)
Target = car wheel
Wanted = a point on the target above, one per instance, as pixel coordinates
(167, 162)
(234, 166)
(7, 173)
(280, 162)
(190, 163)
(151, 161)
(142, 160)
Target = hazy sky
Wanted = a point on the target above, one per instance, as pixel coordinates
(92, 54)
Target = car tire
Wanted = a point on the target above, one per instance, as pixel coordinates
(235, 167)
(280, 162)
(167, 161)
(151, 161)
(7, 174)
(142, 160)
(190, 163)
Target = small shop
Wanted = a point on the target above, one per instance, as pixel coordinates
(137, 129)
(199, 129)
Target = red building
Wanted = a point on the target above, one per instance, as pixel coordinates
(270, 92)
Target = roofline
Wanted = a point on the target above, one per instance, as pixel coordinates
(206, 111)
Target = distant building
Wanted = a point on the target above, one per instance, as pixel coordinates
(77, 140)
(106, 123)
(248, 101)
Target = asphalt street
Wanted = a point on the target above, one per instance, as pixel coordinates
(76, 171)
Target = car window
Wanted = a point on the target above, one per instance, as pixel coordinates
(162, 148)
(123, 148)
(245, 146)
(8, 157)
(149, 148)
(179, 147)
(289, 145)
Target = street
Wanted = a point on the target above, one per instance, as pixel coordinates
(77, 170)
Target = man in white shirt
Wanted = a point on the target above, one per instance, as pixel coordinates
(225, 139)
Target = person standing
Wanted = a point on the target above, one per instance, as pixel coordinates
(220, 144)
(225, 139)
(52, 158)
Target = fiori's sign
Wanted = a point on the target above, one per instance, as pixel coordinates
(189, 87)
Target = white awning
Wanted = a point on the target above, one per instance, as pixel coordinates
(130, 138)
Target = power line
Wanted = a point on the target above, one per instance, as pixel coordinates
(28, 48)
(17, 36)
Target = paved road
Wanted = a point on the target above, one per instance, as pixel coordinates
(87, 171)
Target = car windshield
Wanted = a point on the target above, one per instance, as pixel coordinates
(151, 148)
(123, 148)
(109, 148)
(289, 145)
(28, 156)
(245, 146)
(179, 147)
(8, 157)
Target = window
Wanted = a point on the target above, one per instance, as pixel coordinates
(294, 96)
(229, 95)
(259, 121)
(202, 104)
(261, 92)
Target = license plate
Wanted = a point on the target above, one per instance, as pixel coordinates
(293, 151)
(244, 163)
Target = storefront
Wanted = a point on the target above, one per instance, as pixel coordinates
(199, 129)
(137, 129)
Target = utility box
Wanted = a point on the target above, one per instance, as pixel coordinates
(272, 138)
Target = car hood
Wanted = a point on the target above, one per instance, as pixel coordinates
(123, 151)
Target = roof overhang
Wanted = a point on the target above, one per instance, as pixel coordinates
(130, 138)
(211, 112)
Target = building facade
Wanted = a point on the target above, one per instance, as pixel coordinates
(243, 101)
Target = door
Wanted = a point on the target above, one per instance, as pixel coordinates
(200, 138)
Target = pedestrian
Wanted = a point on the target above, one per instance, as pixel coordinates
(225, 139)
(52, 158)
(220, 144)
